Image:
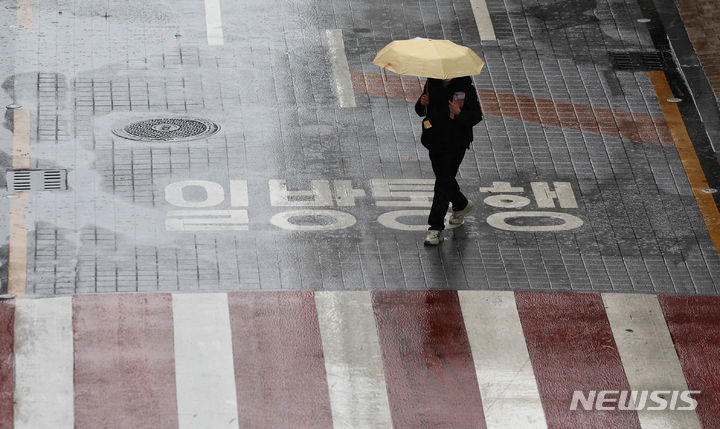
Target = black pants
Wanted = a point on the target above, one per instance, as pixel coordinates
(445, 166)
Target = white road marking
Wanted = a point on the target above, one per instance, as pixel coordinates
(340, 68)
(505, 375)
(499, 221)
(648, 355)
(213, 21)
(390, 220)
(340, 219)
(207, 220)
(44, 394)
(353, 360)
(321, 195)
(204, 368)
(175, 193)
(239, 195)
(482, 19)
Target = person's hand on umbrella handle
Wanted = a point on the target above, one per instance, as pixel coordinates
(454, 107)
(425, 99)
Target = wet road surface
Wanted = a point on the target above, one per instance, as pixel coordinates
(256, 259)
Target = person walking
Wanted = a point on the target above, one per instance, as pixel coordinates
(451, 108)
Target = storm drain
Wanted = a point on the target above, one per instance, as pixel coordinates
(168, 129)
(636, 61)
(36, 180)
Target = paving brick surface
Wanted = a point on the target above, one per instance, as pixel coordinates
(702, 22)
(556, 111)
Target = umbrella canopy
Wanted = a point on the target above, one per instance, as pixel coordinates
(440, 59)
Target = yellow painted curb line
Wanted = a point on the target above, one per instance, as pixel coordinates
(25, 14)
(688, 156)
(17, 258)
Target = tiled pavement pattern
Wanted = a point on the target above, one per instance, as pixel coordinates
(99, 65)
(701, 19)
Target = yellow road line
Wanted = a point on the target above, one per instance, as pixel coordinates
(21, 139)
(17, 258)
(25, 13)
(689, 158)
(17, 264)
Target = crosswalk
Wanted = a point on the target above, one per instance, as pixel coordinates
(356, 359)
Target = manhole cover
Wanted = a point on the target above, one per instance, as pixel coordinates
(168, 129)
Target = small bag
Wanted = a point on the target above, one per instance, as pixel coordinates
(427, 133)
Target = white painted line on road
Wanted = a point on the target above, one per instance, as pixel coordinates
(341, 220)
(204, 369)
(175, 194)
(44, 394)
(353, 361)
(505, 375)
(340, 68)
(648, 355)
(482, 19)
(213, 21)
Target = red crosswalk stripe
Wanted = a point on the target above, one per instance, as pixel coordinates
(571, 348)
(694, 324)
(429, 369)
(279, 366)
(7, 371)
(613, 123)
(124, 361)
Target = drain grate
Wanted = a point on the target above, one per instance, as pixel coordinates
(36, 180)
(636, 61)
(168, 129)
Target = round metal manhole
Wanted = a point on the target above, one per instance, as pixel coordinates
(168, 129)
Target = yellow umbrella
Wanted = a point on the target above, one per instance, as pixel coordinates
(440, 59)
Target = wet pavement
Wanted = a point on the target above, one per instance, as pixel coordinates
(595, 190)
(282, 181)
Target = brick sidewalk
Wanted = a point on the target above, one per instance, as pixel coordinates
(702, 22)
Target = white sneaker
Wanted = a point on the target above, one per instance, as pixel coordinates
(433, 238)
(458, 217)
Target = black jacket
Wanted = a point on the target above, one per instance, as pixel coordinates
(446, 133)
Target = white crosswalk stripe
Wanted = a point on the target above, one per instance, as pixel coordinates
(505, 376)
(44, 364)
(648, 355)
(353, 361)
(204, 370)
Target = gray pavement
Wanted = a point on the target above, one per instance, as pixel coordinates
(121, 227)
